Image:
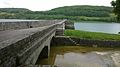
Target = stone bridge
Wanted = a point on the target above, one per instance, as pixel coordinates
(22, 41)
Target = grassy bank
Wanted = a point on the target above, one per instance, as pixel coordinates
(91, 35)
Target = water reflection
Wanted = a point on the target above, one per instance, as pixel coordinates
(112, 28)
(92, 59)
(70, 58)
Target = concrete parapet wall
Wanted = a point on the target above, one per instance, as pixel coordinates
(84, 42)
(15, 25)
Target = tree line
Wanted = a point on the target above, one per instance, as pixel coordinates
(85, 12)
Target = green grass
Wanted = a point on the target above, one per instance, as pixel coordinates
(91, 35)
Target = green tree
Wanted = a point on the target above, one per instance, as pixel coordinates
(116, 6)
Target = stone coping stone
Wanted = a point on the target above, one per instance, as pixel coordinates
(23, 20)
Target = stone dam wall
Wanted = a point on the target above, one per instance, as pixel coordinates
(24, 24)
(26, 47)
(16, 53)
(63, 40)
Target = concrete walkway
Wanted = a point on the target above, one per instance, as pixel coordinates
(12, 36)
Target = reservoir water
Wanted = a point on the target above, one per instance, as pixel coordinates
(112, 28)
(76, 56)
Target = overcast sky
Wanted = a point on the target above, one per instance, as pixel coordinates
(42, 5)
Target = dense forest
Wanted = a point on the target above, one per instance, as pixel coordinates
(89, 11)
(75, 13)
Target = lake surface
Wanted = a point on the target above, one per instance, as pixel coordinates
(112, 28)
(81, 57)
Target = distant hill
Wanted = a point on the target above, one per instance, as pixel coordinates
(85, 7)
(14, 10)
(75, 13)
(84, 10)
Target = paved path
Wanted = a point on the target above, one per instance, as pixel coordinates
(10, 37)
(15, 34)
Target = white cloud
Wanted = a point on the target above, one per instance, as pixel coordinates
(49, 4)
